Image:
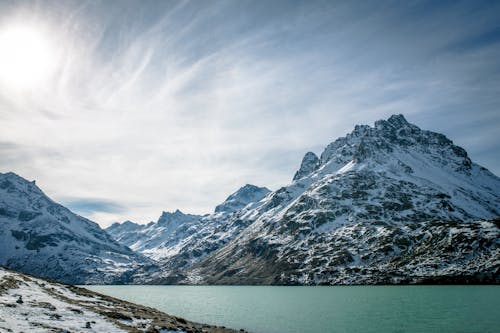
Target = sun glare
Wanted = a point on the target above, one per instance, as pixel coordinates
(27, 57)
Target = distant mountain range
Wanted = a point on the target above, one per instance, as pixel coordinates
(390, 203)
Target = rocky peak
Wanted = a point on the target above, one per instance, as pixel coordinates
(310, 163)
(176, 217)
(242, 197)
(395, 133)
(398, 120)
(130, 224)
(126, 225)
(12, 182)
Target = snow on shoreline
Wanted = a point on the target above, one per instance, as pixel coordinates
(37, 305)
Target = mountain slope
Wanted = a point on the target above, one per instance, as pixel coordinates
(363, 253)
(393, 175)
(43, 238)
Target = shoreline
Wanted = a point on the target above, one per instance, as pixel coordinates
(28, 302)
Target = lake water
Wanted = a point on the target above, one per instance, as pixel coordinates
(260, 309)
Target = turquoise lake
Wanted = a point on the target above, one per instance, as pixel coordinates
(271, 309)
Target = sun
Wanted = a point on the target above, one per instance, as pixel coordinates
(27, 57)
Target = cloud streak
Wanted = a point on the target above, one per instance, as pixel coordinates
(164, 105)
(91, 206)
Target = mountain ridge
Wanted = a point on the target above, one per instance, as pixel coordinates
(393, 174)
(389, 203)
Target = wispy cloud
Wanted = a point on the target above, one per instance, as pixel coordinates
(163, 105)
(91, 206)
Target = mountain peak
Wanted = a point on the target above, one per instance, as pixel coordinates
(175, 218)
(398, 120)
(310, 163)
(249, 187)
(129, 225)
(242, 197)
(394, 134)
(395, 122)
(15, 180)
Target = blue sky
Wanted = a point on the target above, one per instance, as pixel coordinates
(159, 105)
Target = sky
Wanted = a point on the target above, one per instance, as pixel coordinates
(123, 109)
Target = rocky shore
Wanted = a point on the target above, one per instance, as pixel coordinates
(32, 304)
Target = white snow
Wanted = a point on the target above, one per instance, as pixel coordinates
(35, 316)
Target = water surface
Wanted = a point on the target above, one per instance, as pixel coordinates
(260, 309)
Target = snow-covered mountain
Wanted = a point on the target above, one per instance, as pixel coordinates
(156, 240)
(178, 233)
(41, 237)
(377, 206)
